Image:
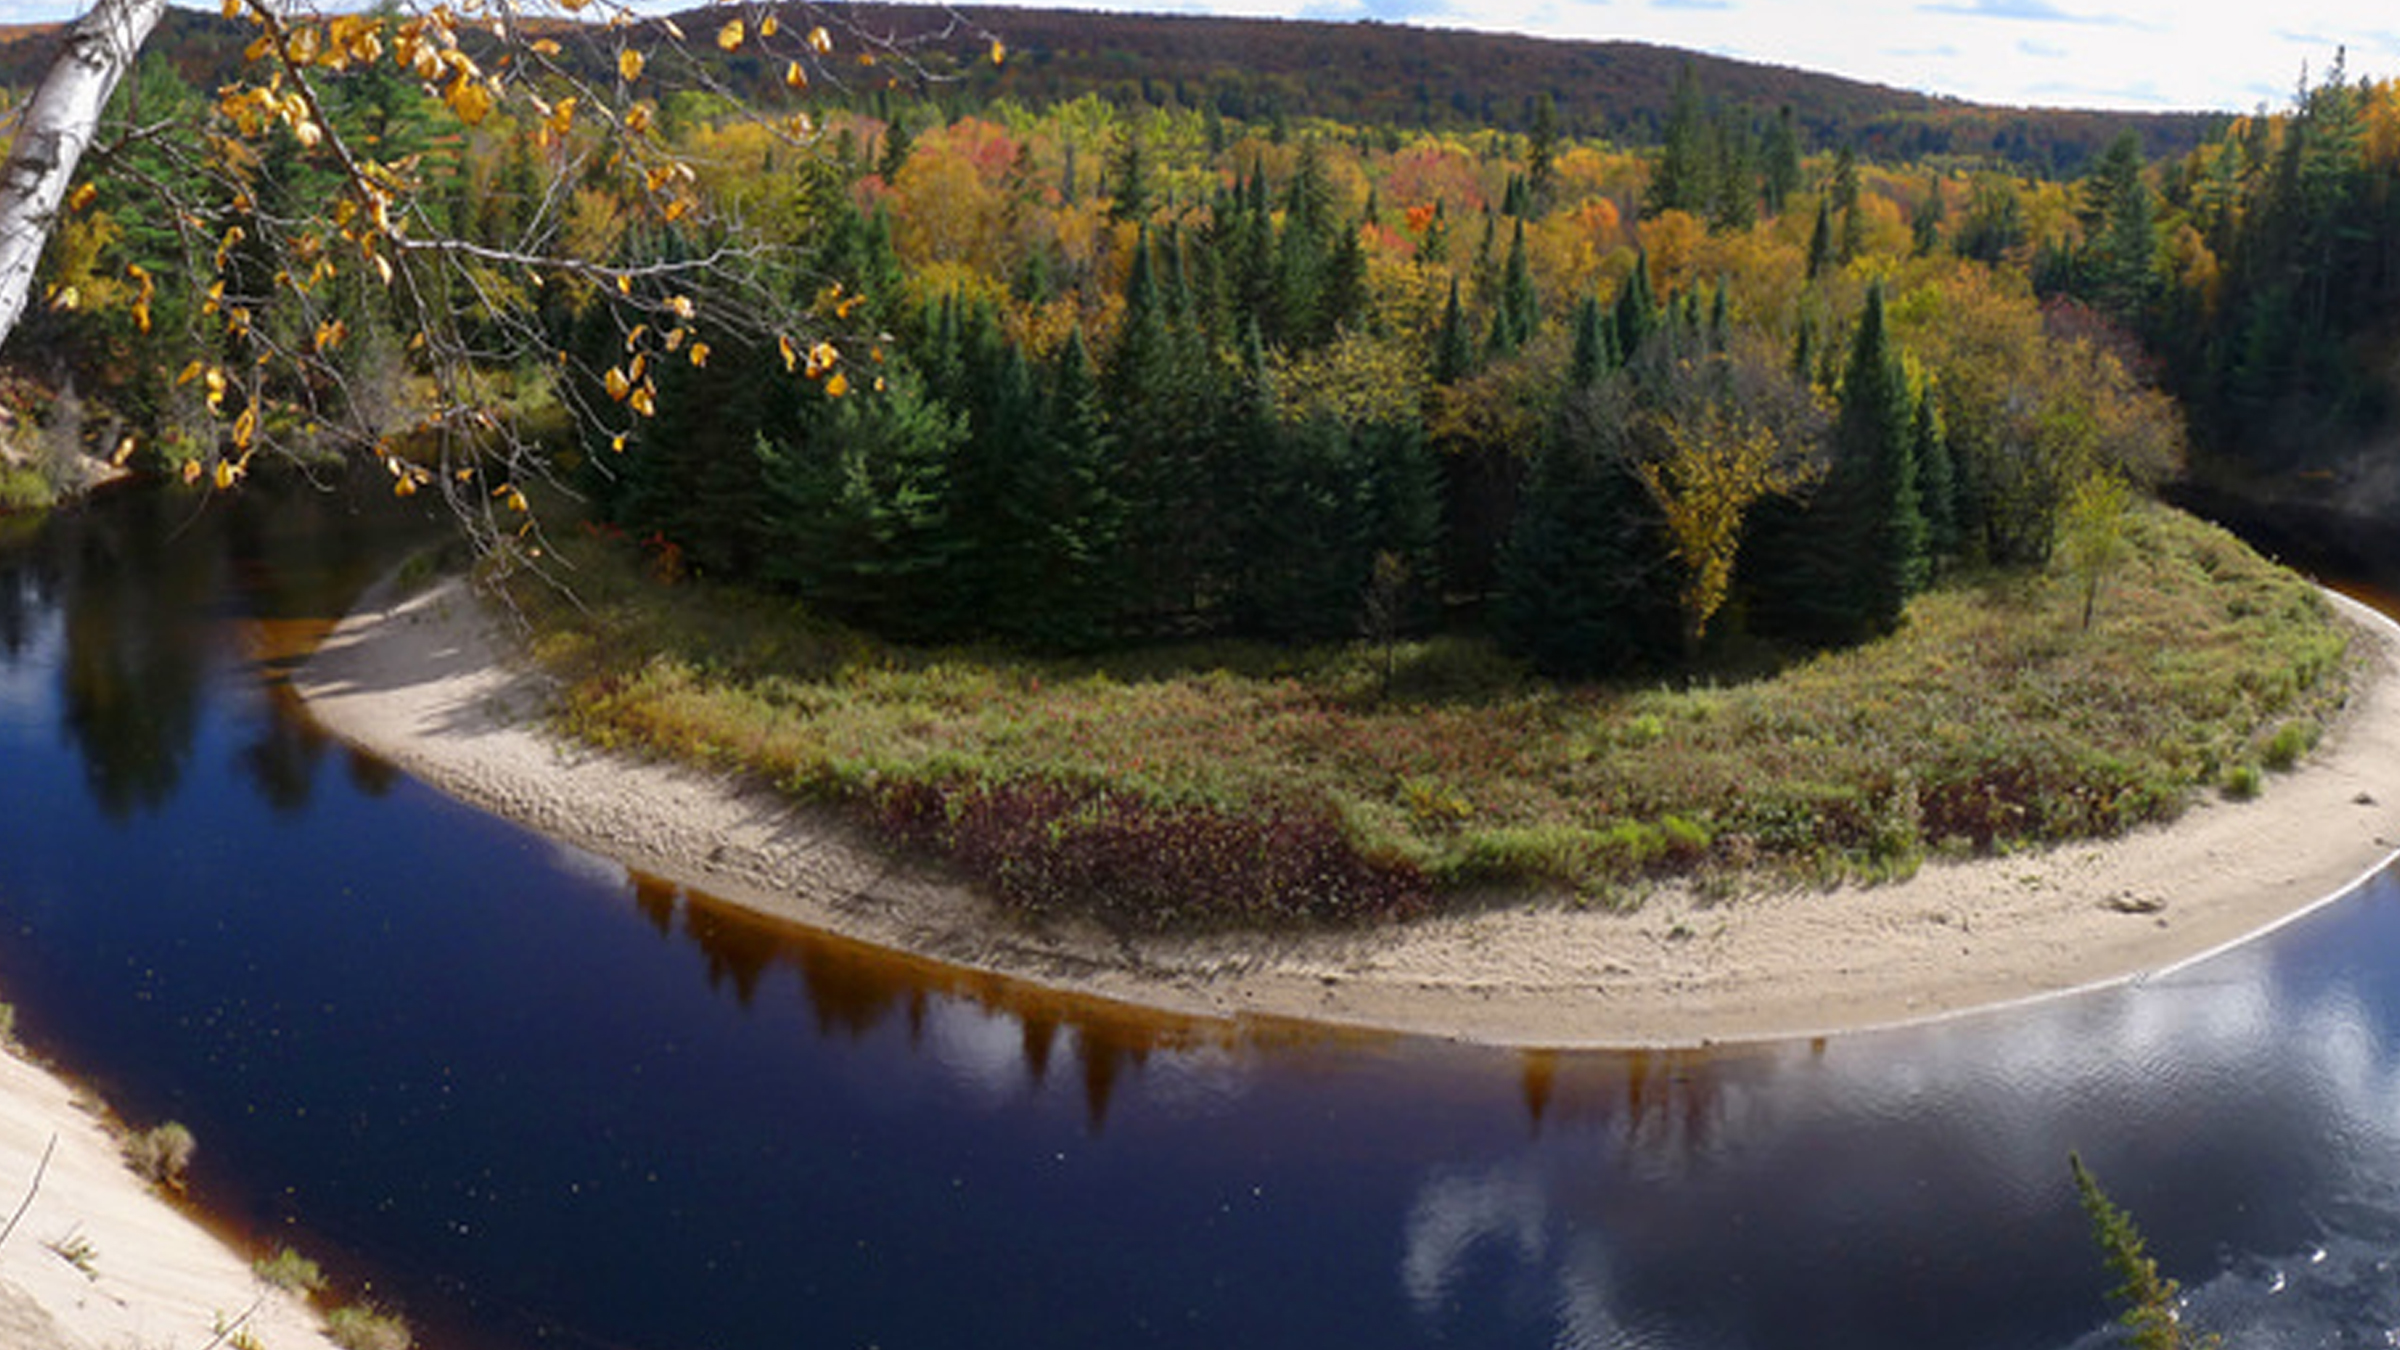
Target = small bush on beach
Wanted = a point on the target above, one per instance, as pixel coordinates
(289, 1270)
(2290, 744)
(363, 1328)
(162, 1153)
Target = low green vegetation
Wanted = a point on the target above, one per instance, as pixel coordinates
(163, 1153)
(2150, 1301)
(359, 1327)
(288, 1269)
(1243, 784)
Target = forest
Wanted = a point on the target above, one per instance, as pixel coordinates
(1088, 375)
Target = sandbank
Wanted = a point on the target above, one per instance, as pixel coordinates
(432, 682)
(99, 1261)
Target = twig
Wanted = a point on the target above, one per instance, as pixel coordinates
(30, 1191)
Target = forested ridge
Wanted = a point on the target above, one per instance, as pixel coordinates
(1088, 376)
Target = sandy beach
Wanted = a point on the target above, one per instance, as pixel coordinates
(99, 1261)
(431, 682)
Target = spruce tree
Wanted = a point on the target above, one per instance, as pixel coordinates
(1584, 590)
(1453, 353)
(1872, 487)
(1636, 311)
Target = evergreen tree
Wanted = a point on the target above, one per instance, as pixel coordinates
(1779, 178)
(1594, 352)
(1682, 177)
(1636, 311)
(1937, 478)
(1541, 150)
(1872, 486)
(1453, 353)
(1583, 588)
(1820, 240)
(860, 508)
(1129, 177)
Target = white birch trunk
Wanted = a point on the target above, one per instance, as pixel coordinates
(58, 124)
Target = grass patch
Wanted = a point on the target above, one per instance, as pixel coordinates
(1244, 784)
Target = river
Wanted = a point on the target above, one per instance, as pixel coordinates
(531, 1100)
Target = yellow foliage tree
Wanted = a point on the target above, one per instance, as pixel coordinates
(1717, 465)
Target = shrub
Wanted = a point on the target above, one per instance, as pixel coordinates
(2291, 741)
(363, 1328)
(162, 1153)
(288, 1269)
(2243, 781)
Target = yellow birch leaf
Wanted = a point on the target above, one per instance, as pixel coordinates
(794, 76)
(545, 47)
(383, 268)
(245, 427)
(699, 353)
(634, 338)
(768, 26)
(820, 41)
(562, 117)
(81, 198)
(999, 51)
(624, 285)
(730, 36)
(616, 383)
(641, 402)
(124, 452)
(190, 373)
(634, 370)
(680, 306)
(837, 386)
(791, 354)
(637, 118)
(225, 474)
(404, 486)
(191, 471)
(616, 443)
(469, 99)
(629, 65)
(233, 9)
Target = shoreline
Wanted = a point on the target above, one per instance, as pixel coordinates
(99, 1260)
(426, 682)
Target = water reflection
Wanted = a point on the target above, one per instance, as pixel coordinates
(988, 1030)
(1911, 1188)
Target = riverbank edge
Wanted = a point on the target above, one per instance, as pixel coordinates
(96, 1259)
(430, 682)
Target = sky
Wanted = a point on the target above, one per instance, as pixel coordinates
(2144, 55)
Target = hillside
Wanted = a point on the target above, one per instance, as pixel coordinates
(1364, 74)
(1385, 73)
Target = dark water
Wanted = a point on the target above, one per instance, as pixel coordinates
(535, 1101)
